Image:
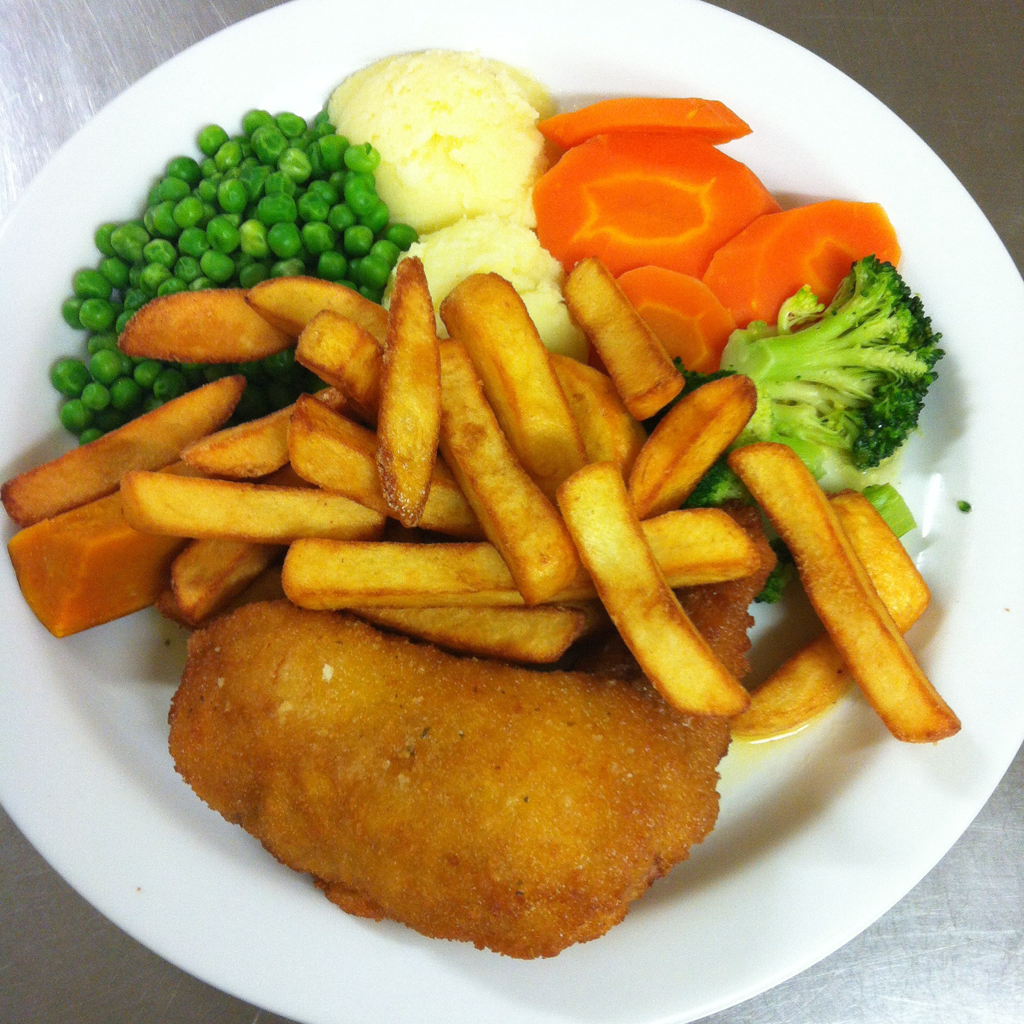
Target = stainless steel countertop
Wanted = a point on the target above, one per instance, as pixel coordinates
(950, 952)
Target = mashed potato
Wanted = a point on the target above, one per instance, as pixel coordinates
(488, 244)
(457, 134)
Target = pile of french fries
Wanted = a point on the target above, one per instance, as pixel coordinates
(478, 492)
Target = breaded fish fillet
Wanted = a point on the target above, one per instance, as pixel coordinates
(519, 810)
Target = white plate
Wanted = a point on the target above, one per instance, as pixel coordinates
(818, 835)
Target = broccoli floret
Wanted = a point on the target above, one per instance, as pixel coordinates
(717, 486)
(849, 378)
(779, 577)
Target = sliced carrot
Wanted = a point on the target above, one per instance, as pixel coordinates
(709, 120)
(684, 314)
(814, 245)
(641, 198)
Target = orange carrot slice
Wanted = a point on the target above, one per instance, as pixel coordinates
(815, 245)
(641, 198)
(684, 314)
(709, 120)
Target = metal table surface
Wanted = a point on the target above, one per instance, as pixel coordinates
(953, 949)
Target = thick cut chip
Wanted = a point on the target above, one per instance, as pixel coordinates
(151, 441)
(815, 677)
(515, 514)
(290, 303)
(230, 510)
(670, 650)
(332, 452)
(538, 635)
(486, 314)
(215, 325)
(693, 434)
(346, 355)
(842, 594)
(409, 416)
(633, 356)
(691, 547)
(610, 432)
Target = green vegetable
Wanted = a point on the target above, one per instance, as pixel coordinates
(964, 506)
(69, 376)
(779, 577)
(890, 505)
(849, 379)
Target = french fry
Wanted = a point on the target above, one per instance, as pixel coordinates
(231, 510)
(515, 514)
(254, 449)
(290, 303)
(691, 547)
(152, 441)
(842, 594)
(636, 360)
(670, 650)
(409, 414)
(486, 314)
(209, 574)
(815, 677)
(332, 452)
(682, 447)
(211, 326)
(346, 355)
(538, 635)
(609, 431)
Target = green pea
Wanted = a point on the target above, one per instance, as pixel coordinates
(369, 292)
(401, 235)
(341, 217)
(268, 143)
(109, 419)
(318, 237)
(332, 151)
(90, 434)
(146, 372)
(160, 251)
(211, 138)
(254, 119)
(154, 196)
(209, 212)
(331, 266)
(386, 251)
(69, 376)
(313, 207)
(91, 284)
(284, 240)
(193, 242)
(208, 168)
(125, 394)
(290, 125)
(122, 320)
(163, 219)
(186, 269)
(278, 183)
(279, 365)
(229, 155)
(200, 284)
(95, 396)
(186, 168)
(280, 393)
(234, 219)
(250, 276)
(107, 339)
(75, 416)
(206, 190)
(253, 180)
(150, 403)
(358, 240)
(105, 366)
(253, 238)
(287, 268)
(153, 275)
(169, 384)
(323, 190)
(102, 239)
(361, 159)
(173, 189)
(97, 314)
(216, 372)
(188, 211)
(115, 270)
(277, 209)
(376, 218)
(171, 286)
(223, 235)
(217, 266)
(232, 196)
(359, 195)
(70, 310)
(252, 405)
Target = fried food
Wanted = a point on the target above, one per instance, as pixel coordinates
(518, 810)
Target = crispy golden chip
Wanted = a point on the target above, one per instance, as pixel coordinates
(344, 354)
(486, 314)
(151, 441)
(538, 635)
(691, 547)
(513, 511)
(209, 574)
(842, 594)
(409, 414)
(230, 510)
(215, 325)
(693, 434)
(332, 452)
(636, 360)
(290, 303)
(631, 586)
(609, 431)
(815, 677)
